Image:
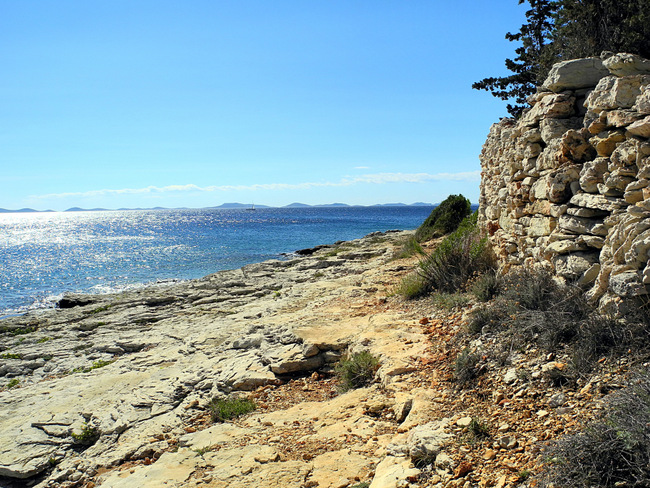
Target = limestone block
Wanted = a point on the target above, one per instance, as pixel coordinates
(393, 472)
(606, 142)
(554, 128)
(627, 154)
(646, 274)
(581, 225)
(592, 241)
(589, 276)
(617, 181)
(586, 212)
(575, 146)
(541, 226)
(550, 156)
(642, 104)
(572, 266)
(633, 196)
(532, 135)
(614, 93)
(599, 202)
(628, 284)
(575, 73)
(557, 210)
(426, 441)
(624, 64)
(551, 106)
(637, 254)
(564, 246)
(644, 168)
(640, 128)
(622, 118)
(559, 186)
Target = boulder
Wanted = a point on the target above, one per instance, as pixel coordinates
(640, 128)
(624, 64)
(614, 93)
(574, 74)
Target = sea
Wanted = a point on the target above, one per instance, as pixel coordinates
(43, 255)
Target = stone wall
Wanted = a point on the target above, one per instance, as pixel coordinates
(567, 186)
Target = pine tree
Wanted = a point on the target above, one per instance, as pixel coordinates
(533, 60)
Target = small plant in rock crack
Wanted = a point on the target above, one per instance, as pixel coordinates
(356, 370)
(87, 437)
(222, 409)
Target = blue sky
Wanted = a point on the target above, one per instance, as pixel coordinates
(137, 103)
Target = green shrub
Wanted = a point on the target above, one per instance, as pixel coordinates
(356, 370)
(87, 437)
(532, 307)
(614, 450)
(12, 383)
(412, 286)
(229, 408)
(466, 366)
(410, 247)
(10, 355)
(486, 286)
(445, 218)
(450, 301)
(460, 256)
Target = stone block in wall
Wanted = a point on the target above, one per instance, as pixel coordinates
(642, 104)
(558, 105)
(621, 118)
(575, 73)
(614, 93)
(559, 183)
(575, 146)
(643, 165)
(638, 254)
(541, 226)
(628, 284)
(599, 202)
(617, 181)
(586, 212)
(550, 156)
(591, 174)
(582, 225)
(606, 142)
(554, 128)
(572, 266)
(625, 64)
(640, 128)
(592, 241)
(564, 246)
(628, 154)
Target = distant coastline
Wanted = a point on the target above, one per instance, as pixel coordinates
(233, 205)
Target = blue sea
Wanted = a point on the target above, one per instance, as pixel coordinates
(43, 255)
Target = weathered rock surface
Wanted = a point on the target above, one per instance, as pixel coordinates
(109, 380)
(576, 199)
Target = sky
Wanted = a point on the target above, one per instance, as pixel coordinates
(147, 103)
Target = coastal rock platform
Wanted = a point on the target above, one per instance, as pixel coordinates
(112, 390)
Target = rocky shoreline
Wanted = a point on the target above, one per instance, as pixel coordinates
(135, 368)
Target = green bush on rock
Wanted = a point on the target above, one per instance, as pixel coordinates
(357, 370)
(445, 218)
(462, 255)
(223, 409)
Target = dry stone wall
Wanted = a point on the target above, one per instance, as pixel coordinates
(567, 186)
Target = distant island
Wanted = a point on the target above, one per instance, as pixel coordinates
(232, 205)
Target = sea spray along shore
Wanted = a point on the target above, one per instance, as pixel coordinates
(114, 379)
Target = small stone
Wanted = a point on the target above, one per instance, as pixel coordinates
(462, 469)
(464, 422)
(489, 454)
